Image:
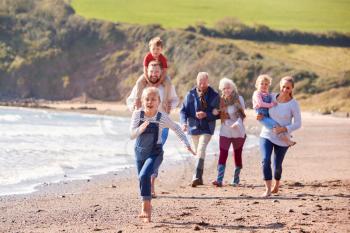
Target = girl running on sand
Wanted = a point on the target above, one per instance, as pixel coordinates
(146, 127)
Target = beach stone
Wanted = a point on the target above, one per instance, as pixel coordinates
(298, 184)
(185, 214)
(202, 223)
(291, 211)
(196, 228)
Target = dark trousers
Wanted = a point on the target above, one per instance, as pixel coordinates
(225, 144)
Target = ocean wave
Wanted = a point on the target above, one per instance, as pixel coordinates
(10, 118)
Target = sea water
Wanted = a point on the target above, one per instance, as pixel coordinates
(44, 146)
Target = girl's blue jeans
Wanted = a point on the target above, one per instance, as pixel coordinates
(266, 148)
(267, 121)
(159, 161)
(145, 169)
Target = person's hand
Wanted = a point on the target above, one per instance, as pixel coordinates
(146, 78)
(259, 117)
(166, 107)
(279, 129)
(184, 127)
(215, 112)
(169, 106)
(143, 126)
(161, 80)
(137, 104)
(191, 151)
(226, 115)
(234, 125)
(274, 103)
(200, 115)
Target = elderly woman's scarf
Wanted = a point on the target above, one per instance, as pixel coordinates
(231, 100)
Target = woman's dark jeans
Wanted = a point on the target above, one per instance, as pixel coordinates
(266, 148)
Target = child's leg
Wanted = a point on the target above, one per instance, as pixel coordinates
(268, 122)
(141, 84)
(158, 161)
(285, 138)
(145, 169)
(165, 133)
(145, 204)
(146, 210)
(167, 97)
(145, 177)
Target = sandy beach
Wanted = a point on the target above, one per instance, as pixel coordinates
(314, 197)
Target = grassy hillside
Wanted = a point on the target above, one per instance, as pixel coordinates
(49, 52)
(305, 15)
(331, 64)
(323, 60)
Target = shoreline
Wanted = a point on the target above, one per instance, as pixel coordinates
(107, 107)
(33, 186)
(314, 195)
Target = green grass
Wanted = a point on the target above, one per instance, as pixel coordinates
(330, 64)
(306, 15)
(334, 100)
(326, 61)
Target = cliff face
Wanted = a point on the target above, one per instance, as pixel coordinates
(49, 52)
